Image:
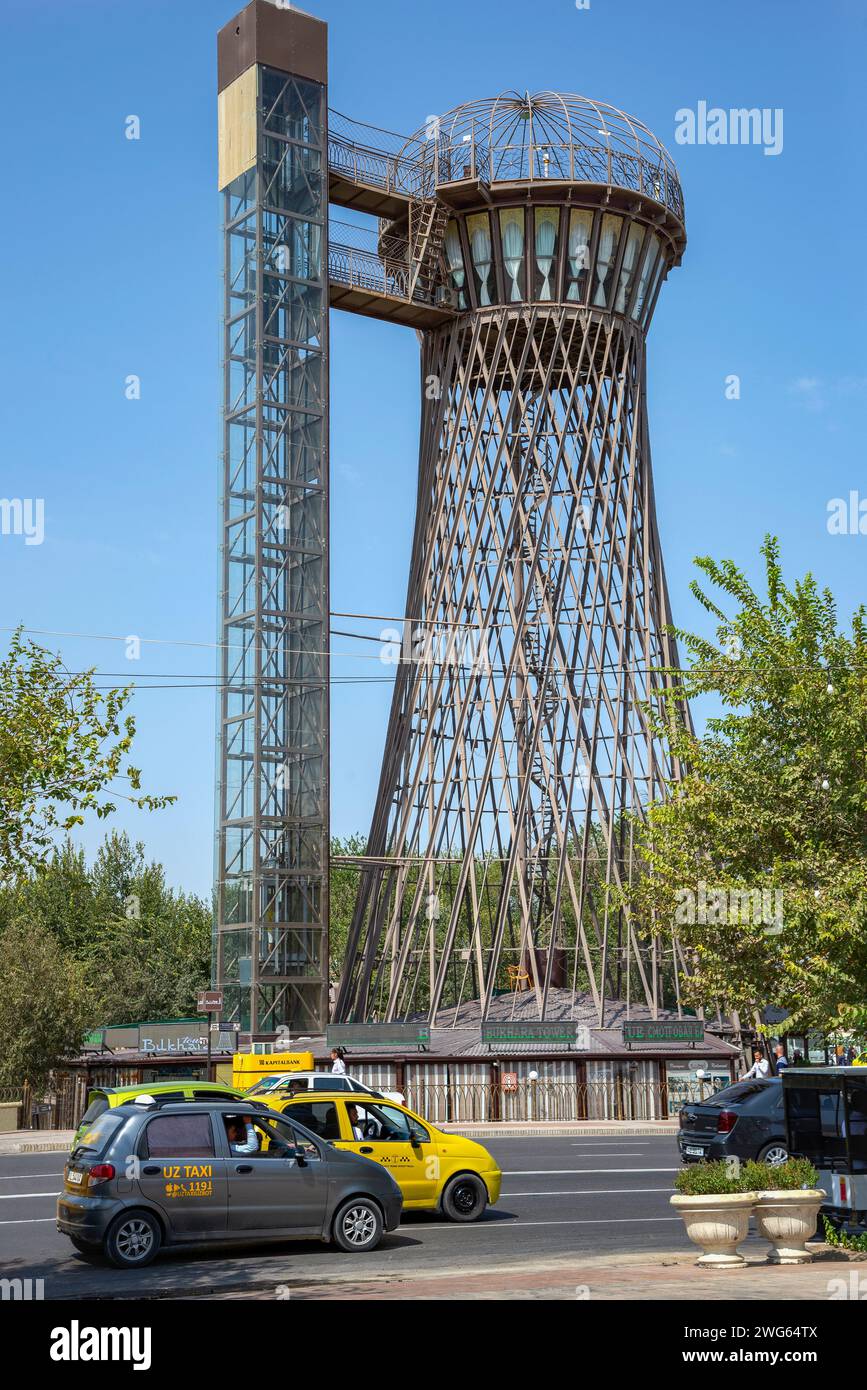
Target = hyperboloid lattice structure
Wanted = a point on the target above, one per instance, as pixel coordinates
(518, 741)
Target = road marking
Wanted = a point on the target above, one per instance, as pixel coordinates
(574, 1172)
(29, 1221)
(585, 1192)
(19, 1196)
(20, 1177)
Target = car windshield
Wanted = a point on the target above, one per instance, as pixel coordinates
(96, 1136)
(271, 1083)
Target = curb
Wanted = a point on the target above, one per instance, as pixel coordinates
(555, 1131)
(21, 1142)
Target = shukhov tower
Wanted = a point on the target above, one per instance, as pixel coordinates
(525, 239)
(536, 607)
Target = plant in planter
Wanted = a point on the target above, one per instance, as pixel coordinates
(715, 1203)
(787, 1206)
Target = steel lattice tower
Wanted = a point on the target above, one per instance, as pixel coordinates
(518, 741)
(525, 239)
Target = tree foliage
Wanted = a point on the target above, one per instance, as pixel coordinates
(45, 1004)
(63, 744)
(144, 948)
(774, 799)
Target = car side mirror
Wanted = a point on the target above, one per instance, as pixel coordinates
(414, 1140)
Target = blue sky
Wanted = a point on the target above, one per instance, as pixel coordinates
(112, 267)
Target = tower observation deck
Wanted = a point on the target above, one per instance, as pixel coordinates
(565, 150)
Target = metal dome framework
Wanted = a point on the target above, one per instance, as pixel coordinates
(553, 135)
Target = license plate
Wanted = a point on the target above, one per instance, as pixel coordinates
(74, 1176)
(691, 1149)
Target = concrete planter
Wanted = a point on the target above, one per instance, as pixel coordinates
(787, 1220)
(717, 1222)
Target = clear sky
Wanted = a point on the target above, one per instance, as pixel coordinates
(111, 267)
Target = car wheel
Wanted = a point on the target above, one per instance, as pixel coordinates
(773, 1154)
(133, 1240)
(357, 1225)
(465, 1198)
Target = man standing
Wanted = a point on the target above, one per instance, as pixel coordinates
(781, 1061)
(760, 1069)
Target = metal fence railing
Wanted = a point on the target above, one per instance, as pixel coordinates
(546, 1101)
(360, 258)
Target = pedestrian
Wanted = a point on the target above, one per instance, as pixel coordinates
(781, 1061)
(338, 1066)
(760, 1069)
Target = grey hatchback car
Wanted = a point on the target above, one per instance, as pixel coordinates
(146, 1175)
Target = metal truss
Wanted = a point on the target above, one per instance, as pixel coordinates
(518, 742)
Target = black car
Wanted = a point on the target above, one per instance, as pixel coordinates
(746, 1120)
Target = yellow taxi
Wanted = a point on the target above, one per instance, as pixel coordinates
(435, 1171)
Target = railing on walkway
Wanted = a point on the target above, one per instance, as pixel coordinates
(364, 154)
(413, 167)
(361, 259)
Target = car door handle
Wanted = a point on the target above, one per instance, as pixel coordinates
(365, 1149)
(151, 1168)
(243, 1167)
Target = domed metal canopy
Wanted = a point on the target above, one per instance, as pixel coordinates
(551, 135)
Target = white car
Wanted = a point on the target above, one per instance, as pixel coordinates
(321, 1081)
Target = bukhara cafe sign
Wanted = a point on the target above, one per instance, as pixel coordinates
(664, 1030)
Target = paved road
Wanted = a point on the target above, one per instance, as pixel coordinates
(561, 1196)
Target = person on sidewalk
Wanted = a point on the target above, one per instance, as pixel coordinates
(760, 1069)
(781, 1061)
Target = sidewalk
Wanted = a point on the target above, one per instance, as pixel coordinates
(35, 1141)
(663, 1277)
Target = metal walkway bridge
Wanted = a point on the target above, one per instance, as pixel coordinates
(396, 271)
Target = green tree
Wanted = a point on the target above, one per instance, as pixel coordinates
(149, 947)
(774, 800)
(343, 884)
(46, 1006)
(63, 744)
(146, 948)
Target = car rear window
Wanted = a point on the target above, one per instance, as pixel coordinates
(97, 1106)
(97, 1136)
(179, 1136)
(743, 1092)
